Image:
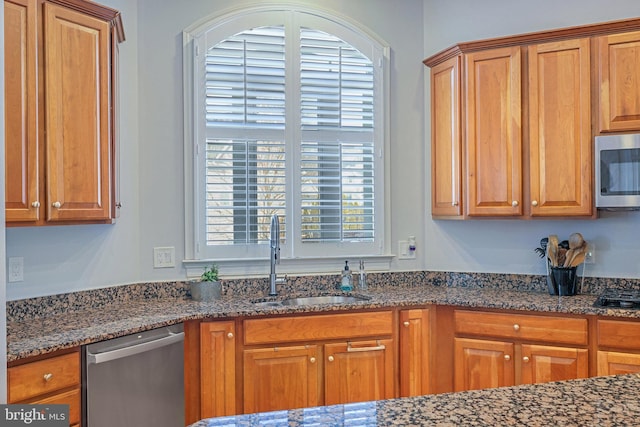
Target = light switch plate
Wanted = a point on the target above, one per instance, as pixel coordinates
(164, 257)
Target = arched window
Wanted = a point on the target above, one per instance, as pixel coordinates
(285, 115)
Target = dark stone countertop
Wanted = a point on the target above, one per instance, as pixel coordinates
(598, 401)
(78, 326)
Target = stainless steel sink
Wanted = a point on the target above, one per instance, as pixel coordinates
(328, 299)
(267, 303)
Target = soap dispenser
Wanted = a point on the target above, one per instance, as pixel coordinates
(347, 279)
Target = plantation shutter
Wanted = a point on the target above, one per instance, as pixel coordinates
(337, 148)
(245, 145)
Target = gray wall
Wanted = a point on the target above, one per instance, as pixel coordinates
(63, 259)
(506, 245)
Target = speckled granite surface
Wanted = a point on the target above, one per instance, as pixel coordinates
(599, 401)
(42, 325)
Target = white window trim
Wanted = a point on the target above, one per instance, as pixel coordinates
(258, 266)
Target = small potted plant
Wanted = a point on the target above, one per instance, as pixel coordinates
(208, 288)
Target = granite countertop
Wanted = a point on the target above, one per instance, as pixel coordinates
(598, 401)
(78, 326)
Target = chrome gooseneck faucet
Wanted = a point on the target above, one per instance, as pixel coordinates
(274, 243)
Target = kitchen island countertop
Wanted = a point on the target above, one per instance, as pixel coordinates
(598, 401)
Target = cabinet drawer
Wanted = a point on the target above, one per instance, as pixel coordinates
(319, 327)
(619, 334)
(44, 376)
(70, 397)
(552, 329)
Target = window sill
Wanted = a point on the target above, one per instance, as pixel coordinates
(260, 267)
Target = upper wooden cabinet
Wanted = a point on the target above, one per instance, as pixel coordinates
(560, 140)
(618, 63)
(59, 139)
(525, 118)
(446, 197)
(492, 107)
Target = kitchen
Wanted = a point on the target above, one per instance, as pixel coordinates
(152, 174)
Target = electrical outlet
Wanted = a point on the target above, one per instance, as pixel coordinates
(403, 250)
(16, 269)
(590, 255)
(164, 257)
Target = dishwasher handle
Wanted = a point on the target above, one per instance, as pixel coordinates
(134, 349)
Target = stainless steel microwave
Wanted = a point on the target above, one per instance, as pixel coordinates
(618, 171)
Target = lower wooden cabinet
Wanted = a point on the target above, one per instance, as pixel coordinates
(482, 364)
(505, 360)
(415, 352)
(281, 378)
(618, 347)
(616, 363)
(218, 369)
(358, 371)
(300, 361)
(54, 379)
(541, 363)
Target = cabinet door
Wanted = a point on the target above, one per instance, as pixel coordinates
(217, 369)
(560, 153)
(20, 98)
(544, 364)
(615, 363)
(77, 102)
(482, 364)
(445, 139)
(494, 132)
(415, 352)
(618, 62)
(279, 378)
(359, 371)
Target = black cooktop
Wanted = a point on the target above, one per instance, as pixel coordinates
(619, 298)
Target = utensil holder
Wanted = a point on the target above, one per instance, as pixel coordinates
(563, 281)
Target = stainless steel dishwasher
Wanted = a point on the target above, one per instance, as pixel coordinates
(136, 380)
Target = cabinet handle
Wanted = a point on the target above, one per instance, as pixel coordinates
(534, 203)
(48, 376)
(516, 327)
(56, 205)
(406, 324)
(525, 359)
(454, 203)
(507, 357)
(354, 349)
(312, 360)
(230, 335)
(330, 358)
(514, 203)
(35, 204)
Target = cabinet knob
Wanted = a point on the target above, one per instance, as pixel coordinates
(454, 203)
(406, 324)
(56, 205)
(507, 357)
(312, 360)
(534, 203)
(230, 335)
(330, 358)
(48, 376)
(514, 203)
(35, 204)
(525, 359)
(516, 327)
